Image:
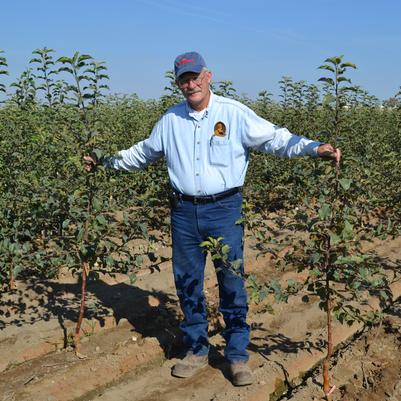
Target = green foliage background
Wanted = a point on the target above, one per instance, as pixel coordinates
(43, 182)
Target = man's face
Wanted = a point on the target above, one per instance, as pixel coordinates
(195, 88)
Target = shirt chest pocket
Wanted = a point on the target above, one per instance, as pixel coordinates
(219, 151)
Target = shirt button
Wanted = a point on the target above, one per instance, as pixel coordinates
(197, 158)
(197, 173)
(198, 126)
(198, 143)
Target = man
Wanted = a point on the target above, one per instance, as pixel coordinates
(206, 141)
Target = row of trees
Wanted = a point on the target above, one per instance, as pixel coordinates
(55, 215)
(45, 79)
(41, 78)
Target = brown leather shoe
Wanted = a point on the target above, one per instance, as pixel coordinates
(190, 365)
(241, 374)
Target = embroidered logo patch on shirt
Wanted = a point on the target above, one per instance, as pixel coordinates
(220, 129)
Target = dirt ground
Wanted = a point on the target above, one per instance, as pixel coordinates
(132, 340)
(368, 368)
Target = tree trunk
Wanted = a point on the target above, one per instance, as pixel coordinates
(77, 337)
(12, 282)
(326, 363)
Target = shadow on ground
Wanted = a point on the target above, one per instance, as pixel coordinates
(46, 300)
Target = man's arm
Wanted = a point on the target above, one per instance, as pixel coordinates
(136, 157)
(262, 135)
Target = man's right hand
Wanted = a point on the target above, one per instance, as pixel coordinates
(327, 151)
(90, 163)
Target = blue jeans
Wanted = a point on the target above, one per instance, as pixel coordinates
(192, 224)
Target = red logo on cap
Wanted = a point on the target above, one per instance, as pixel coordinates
(185, 61)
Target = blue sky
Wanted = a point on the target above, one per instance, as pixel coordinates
(252, 43)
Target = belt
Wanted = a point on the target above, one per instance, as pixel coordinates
(209, 198)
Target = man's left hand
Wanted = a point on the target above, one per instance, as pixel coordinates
(327, 151)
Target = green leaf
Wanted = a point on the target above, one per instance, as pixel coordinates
(334, 238)
(225, 249)
(345, 183)
(101, 220)
(291, 282)
(66, 69)
(315, 258)
(98, 153)
(64, 60)
(132, 278)
(84, 57)
(348, 64)
(349, 260)
(236, 264)
(80, 234)
(336, 275)
(329, 98)
(324, 211)
(97, 204)
(327, 67)
(241, 220)
(327, 80)
(83, 249)
(139, 260)
(348, 231)
(343, 79)
(144, 230)
(383, 295)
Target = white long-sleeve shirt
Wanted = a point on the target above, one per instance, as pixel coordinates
(202, 161)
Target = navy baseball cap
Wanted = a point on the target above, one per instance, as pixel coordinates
(188, 62)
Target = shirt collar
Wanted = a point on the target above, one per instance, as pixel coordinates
(198, 115)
